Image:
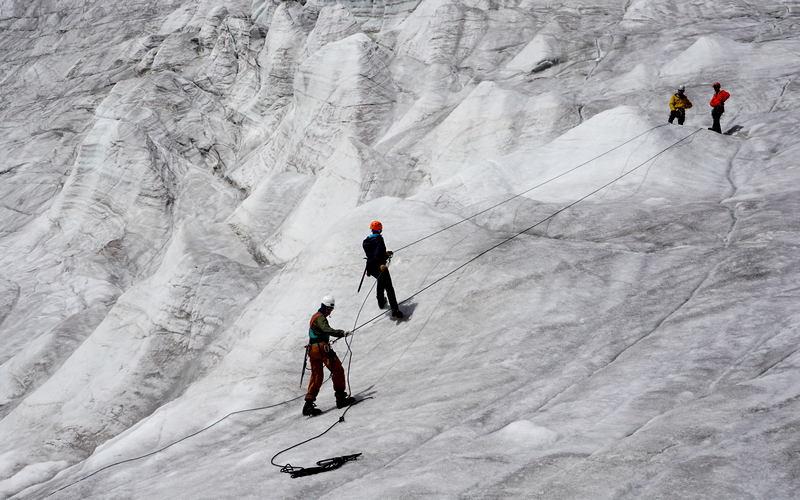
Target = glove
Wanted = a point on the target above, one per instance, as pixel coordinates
(347, 333)
(389, 253)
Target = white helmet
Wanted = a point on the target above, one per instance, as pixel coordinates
(328, 301)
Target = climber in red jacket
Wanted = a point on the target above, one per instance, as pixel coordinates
(718, 106)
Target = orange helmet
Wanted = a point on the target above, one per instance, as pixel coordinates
(376, 225)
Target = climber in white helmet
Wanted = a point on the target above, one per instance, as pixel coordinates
(320, 354)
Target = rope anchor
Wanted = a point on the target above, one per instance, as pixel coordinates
(322, 466)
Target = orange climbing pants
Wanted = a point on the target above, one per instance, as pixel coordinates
(320, 354)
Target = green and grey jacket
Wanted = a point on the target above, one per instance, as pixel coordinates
(320, 331)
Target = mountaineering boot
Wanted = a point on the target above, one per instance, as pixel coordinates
(398, 314)
(343, 400)
(310, 409)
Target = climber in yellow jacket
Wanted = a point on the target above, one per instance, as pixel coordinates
(678, 104)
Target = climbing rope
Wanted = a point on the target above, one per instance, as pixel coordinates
(576, 167)
(332, 463)
(172, 443)
(322, 466)
(515, 235)
(348, 340)
(336, 462)
(295, 471)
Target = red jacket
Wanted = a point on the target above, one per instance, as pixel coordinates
(719, 98)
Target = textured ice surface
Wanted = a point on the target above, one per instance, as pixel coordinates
(180, 182)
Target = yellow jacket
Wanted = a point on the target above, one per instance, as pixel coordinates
(678, 101)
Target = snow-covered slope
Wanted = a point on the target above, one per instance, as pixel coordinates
(182, 181)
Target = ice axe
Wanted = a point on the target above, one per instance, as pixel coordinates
(362, 278)
(305, 363)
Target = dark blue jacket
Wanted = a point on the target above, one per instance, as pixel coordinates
(375, 250)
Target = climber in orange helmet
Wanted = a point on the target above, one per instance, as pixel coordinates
(378, 267)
